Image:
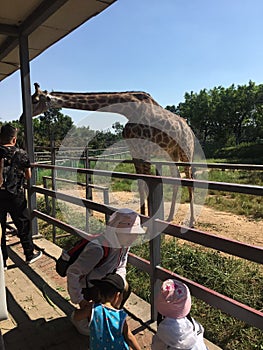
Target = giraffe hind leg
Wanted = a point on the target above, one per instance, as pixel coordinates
(174, 173)
(142, 167)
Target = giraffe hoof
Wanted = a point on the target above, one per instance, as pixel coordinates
(188, 223)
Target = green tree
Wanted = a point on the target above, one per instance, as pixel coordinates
(52, 126)
(79, 136)
(118, 128)
(104, 139)
(224, 116)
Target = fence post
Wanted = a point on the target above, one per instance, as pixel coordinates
(46, 196)
(88, 187)
(106, 201)
(155, 211)
(54, 187)
(159, 172)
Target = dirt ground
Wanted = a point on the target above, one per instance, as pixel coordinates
(213, 221)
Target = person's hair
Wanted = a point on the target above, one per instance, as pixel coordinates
(107, 291)
(7, 132)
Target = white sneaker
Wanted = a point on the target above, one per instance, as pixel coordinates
(34, 257)
(81, 326)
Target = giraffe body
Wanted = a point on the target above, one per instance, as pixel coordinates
(150, 127)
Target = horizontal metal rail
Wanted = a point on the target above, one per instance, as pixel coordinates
(242, 250)
(211, 297)
(96, 187)
(152, 268)
(62, 225)
(230, 246)
(74, 200)
(193, 164)
(230, 306)
(230, 166)
(211, 185)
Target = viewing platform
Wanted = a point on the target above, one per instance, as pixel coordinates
(39, 306)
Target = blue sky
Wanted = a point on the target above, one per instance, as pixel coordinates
(163, 47)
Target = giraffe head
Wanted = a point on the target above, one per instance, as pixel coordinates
(41, 101)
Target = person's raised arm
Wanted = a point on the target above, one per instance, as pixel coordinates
(84, 313)
(121, 269)
(84, 264)
(28, 173)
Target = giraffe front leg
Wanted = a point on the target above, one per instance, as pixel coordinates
(191, 198)
(189, 175)
(143, 193)
(174, 173)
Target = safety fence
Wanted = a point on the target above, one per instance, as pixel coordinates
(158, 227)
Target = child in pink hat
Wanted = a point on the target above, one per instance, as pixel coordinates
(177, 330)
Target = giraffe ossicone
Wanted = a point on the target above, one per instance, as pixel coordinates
(150, 127)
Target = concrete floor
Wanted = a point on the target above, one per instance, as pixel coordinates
(39, 306)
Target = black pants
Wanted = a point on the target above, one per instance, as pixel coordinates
(16, 206)
(2, 345)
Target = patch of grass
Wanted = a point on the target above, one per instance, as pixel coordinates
(250, 153)
(40, 173)
(65, 213)
(236, 203)
(237, 176)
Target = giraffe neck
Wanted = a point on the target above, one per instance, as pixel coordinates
(96, 101)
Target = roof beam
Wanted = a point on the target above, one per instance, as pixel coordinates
(46, 9)
(9, 30)
(35, 19)
(8, 45)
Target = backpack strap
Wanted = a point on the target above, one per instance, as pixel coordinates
(79, 245)
(76, 250)
(106, 251)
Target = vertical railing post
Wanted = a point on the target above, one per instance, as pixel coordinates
(155, 211)
(88, 187)
(46, 196)
(54, 186)
(159, 172)
(106, 201)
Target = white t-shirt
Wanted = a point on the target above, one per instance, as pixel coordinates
(85, 267)
(179, 334)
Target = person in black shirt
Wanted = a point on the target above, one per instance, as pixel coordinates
(13, 200)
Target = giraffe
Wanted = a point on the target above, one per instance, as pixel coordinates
(150, 128)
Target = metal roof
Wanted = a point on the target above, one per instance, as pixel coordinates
(44, 22)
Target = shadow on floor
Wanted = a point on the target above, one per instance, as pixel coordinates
(58, 334)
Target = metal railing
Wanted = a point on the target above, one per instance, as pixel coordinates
(157, 225)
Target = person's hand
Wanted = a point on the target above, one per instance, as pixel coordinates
(84, 303)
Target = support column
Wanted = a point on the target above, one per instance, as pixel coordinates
(155, 211)
(28, 125)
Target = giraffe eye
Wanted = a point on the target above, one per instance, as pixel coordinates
(36, 99)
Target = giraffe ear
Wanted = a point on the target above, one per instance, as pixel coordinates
(37, 86)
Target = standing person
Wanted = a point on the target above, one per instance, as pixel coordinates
(3, 306)
(177, 330)
(12, 193)
(123, 228)
(107, 322)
